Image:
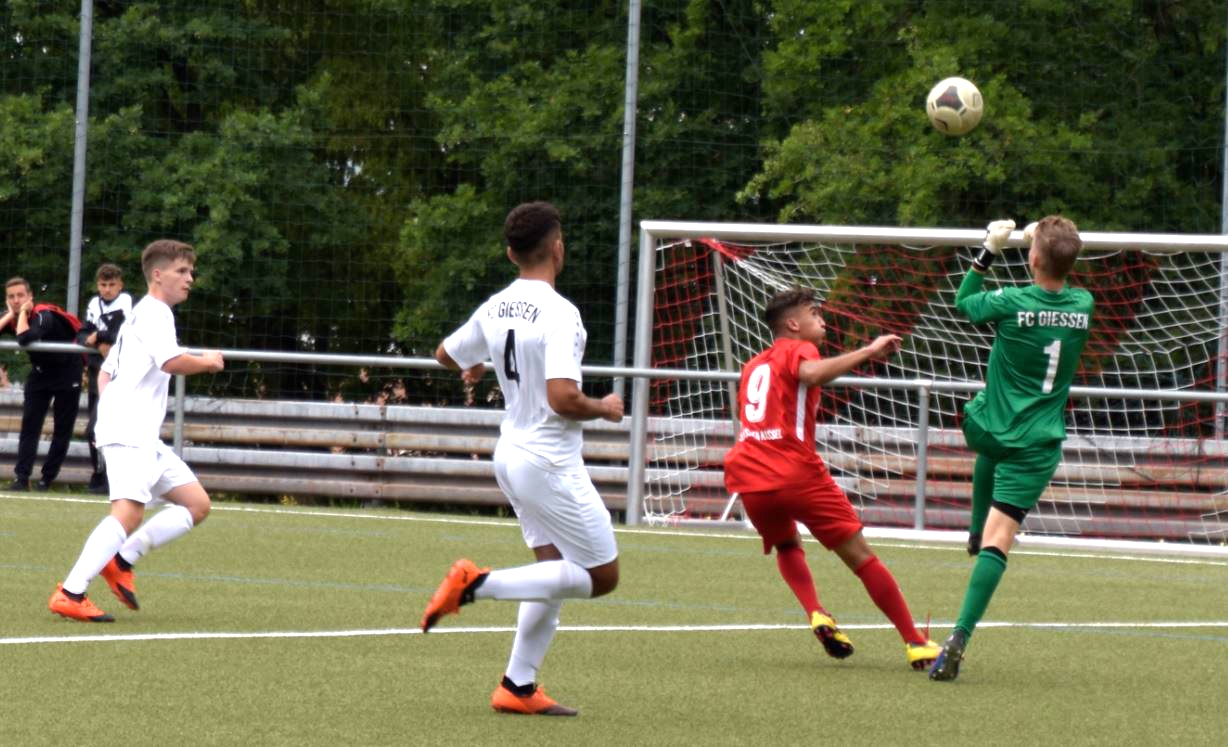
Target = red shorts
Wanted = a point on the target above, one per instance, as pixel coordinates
(820, 506)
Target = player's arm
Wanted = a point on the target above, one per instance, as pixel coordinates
(566, 399)
(470, 376)
(980, 306)
(819, 372)
(187, 364)
(104, 378)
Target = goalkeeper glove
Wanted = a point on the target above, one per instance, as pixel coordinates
(996, 236)
(1029, 231)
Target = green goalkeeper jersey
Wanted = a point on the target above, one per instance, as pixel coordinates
(1040, 336)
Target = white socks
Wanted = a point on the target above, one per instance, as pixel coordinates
(170, 523)
(535, 626)
(100, 547)
(547, 581)
(109, 538)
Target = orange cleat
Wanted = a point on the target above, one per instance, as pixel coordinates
(455, 590)
(537, 704)
(85, 610)
(122, 583)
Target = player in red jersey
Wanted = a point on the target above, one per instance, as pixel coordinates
(783, 482)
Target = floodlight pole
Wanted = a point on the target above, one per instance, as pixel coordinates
(81, 131)
(626, 190)
(1221, 358)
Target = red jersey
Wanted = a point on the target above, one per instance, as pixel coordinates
(775, 446)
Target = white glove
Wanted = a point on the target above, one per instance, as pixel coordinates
(997, 234)
(1029, 231)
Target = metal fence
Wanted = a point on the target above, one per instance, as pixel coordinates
(443, 454)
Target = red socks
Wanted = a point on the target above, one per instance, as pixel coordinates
(886, 594)
(793, 569)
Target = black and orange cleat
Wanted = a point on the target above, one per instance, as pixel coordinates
(455, 590)
(84, 610)
(122, 583)
(536, 703)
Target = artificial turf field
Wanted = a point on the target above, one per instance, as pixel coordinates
(295, 626)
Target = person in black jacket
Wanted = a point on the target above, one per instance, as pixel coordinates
(53, 377)
(103, 315)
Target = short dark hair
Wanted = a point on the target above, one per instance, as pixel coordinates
(779, 305)
(108, 271)
(528, 226)
(1057, 243)
(162, 252)
(18, 280)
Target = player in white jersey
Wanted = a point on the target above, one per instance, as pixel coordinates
(535, 339)
(132, 405)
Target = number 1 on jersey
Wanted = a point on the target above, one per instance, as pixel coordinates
(1054, 350)
(509, 357)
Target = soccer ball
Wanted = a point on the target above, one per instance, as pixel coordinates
(954, 106)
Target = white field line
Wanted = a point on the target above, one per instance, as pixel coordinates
(224, 635)
(951, 540)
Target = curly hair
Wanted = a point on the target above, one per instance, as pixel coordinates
(779, 305)
(528, 225)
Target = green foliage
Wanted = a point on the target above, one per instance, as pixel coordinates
(1096, 110)
(343, 168)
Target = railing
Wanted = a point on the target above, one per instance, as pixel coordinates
(442, 454)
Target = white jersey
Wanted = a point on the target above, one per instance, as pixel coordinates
(531, 334)
(101, 313)
(133, 405)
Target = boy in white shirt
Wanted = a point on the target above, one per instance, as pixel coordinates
(536, 340)
(133, 388)
(103, 316)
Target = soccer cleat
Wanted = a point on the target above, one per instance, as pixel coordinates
(921, 655)
(835, 642)
(538, 703)
(122, 583)
(455, 590)
(946, 666)
(974, 543)
(85, 610)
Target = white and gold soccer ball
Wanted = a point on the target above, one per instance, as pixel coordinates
(954, 106)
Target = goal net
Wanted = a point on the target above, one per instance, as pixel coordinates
(1145, 455)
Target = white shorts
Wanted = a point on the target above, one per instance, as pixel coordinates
(557, 507)
(144, 473)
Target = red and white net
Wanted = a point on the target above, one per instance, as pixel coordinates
(1132, 467)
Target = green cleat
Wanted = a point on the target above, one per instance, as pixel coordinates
(946, 666)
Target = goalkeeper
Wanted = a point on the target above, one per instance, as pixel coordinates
(1016, 425)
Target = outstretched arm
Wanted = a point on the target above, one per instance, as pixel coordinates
(818, 373)
(186, 364)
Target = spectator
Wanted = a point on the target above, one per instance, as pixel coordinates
(103, 315)
(53, 377)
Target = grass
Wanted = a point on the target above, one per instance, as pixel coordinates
(636, 677)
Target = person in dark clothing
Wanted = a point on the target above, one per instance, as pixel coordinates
(103, 315)
(54, 377)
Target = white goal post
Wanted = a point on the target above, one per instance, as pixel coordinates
(1145, 458)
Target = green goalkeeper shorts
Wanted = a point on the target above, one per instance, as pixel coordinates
(1015, 476)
